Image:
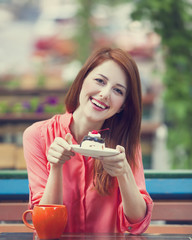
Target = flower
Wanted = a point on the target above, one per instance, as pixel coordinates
(52, 100)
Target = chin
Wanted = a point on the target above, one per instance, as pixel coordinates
(93, 117)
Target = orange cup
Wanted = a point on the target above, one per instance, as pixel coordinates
(49, 221)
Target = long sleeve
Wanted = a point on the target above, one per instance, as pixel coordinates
(36, 161)
(141, 226)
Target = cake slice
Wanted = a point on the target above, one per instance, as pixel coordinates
(93, 140)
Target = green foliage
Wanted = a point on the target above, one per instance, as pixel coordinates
(3, 107)
(86, 28)
(36, 105)
(173, 21)
(10, 83)
(84, 35)
(59, 108)
(41, 80)
(15, 83)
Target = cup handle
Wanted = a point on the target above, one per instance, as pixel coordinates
(25, 220)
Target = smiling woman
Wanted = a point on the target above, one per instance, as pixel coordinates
(103, 93)
(102, 194)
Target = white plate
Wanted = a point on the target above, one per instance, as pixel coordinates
(89, 152)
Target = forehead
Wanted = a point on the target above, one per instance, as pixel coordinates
(112, 71)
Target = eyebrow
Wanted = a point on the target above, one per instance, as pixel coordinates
(118, 84)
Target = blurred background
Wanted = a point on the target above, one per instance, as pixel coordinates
(44, 43)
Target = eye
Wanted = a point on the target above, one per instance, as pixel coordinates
(118, 91)
(100, 81)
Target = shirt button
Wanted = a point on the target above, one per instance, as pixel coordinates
(129, 228)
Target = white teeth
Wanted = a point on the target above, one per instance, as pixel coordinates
(98, 104)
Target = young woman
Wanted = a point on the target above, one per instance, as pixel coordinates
(107, 194)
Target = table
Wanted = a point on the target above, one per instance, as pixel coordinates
(33, 236)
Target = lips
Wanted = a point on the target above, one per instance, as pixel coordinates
(99, 104)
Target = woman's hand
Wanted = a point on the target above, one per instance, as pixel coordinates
(134, 205)
(60, 150)
(116, 165)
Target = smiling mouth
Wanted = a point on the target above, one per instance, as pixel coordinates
(99, 104)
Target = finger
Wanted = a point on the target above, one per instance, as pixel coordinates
(60, 155)
(121, 149)
(113, 171)
(113, 166)
(111, 159)
(56, 148)
(55, 160)
(68, 138)
(61, 149)
(62, 142)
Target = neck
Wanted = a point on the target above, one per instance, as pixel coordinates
(81, 126)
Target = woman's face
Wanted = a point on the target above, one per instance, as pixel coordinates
(103, 92)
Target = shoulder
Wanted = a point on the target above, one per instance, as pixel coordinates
(33, 134)
(37, 127)
(47, 129)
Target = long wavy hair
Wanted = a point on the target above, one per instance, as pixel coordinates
(124, 126)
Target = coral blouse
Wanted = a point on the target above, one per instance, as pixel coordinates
(88, 212)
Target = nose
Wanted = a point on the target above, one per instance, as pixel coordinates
(105, 92)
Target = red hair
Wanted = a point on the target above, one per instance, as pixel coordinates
(124, 126)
